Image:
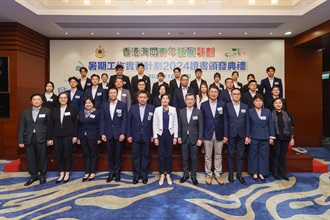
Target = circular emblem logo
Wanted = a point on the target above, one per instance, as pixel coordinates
(99, 52)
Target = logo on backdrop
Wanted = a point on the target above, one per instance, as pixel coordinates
(235, 52)
(100, 52)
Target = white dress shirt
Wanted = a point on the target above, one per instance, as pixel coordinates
(62, 113)
(271, 81)
(120, 91)
(236, 107)
(73, 91)
(94, 90)
(213, 106)
(83, 83)
(142, 109)
(48, 96)
(112, 109)
(252, 94)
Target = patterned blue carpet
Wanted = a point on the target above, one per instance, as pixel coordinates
(305, 196)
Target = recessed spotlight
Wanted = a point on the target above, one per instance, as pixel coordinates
(117, 33)
(245, 33)
(194, 33)
(288, 33)
(219, 33)
(66, 33)
(271, 33)
(142, 33)
(92, 33)
(168, 33)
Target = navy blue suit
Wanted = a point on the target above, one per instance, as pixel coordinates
(77, 100)
(225, 96)
(89, 134)
(178, 99)
(141, 133)
(87, 85)
(261, 130)
(99, 98)
(247, 99)
(236, 130)
(266, 88)
(112, 129)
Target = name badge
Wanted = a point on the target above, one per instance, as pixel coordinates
(219, 109)
(123, 94)
(276, 83)
(88, 84)
(67, 113)
(238, 87)
(50, 100)
(151, 113)
(124, 82)
(42, 115)
(263, 118)
(99, 93)
(92, 116)
(170, 113)
(257, 89)
(77, 96)
(118, 110)
(243, 111)
(220, 88)
(195, 118)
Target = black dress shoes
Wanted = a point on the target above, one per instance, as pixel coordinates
(284, 177)
(135, 181)
(85, 177)
(30, 181)
(184, 179)
(59, 180)
(255, 178)
(276, 176)
(241, 179)
(117, 178)
(110, 178)
(66, 180)
(194, 181)
(231, 177)
(263, 180)
(42, 180)
(145, 181)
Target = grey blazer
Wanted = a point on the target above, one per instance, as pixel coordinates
(41, 126)
(126, 97)
(195, 125)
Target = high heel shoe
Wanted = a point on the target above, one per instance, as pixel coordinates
(168, 178)
(255, 178)
(66, 180)
(161, 180)
(85, 177)
(262, 178)
(60, 180)
(91, 177)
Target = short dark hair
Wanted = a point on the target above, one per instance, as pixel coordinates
(35, 94)
(68, 102)
(165, 94)
(90, 99)
(234, 73)
(258, 96)
(104, 74)
(161, 74)
(140, 64)
(141, 80)
(142, 92)
(95, 75)
(190, 94)
(111, 88)
(184, 75)
(177, 68)
(252, 81)
(276, 87)
(217, 74)
(228, 79)
(83, 68)
(198, 70)
(118, 66)
(236, 89)
(73, 78)
(119, 78)
(250, 75)
(51, 83)
(161, 87)
(278, 99)
(212, 86)
(269, 68)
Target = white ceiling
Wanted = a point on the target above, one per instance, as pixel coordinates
(166, 18)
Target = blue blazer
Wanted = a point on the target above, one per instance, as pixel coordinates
(87, 85)
(113, 128)
(90, 125)
(78, 100)
(214, 124)
(237, 126)
(261, 129)
(225, 96)
(178, 99)
(265, 85)
(136, 128)
(99, 98)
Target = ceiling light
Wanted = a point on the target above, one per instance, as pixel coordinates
(142, 33)
(245, 33)
(219, 33)
(288, 33)
(87, 2)
(271, 33)
(92, 33)
(117, 33)
(168, 33)
(194, 33)
(66, 33)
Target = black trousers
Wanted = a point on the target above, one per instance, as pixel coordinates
(64, 151)
(114, 149)
(140, 158)
(165, 150)
(90, 154)
(238, 144)
(36, 152)
(192, 149)
(278, 158)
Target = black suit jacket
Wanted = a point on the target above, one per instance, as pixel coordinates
(195, 125)
(246, 89)
(178, 99)
(69, 127)
(51, 103)
(135, 101)
(87, 85)
(155, 87)
(135, 79)
(266, 89)
(225, 96)
(41, 126)
(247, 99)
(194, 85)
(239, 86)
(173, 86)
(126, 81)
(220, 88)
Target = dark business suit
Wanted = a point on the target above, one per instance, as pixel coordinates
(236, 130)
(99, 98)
(239, 86)
(246, 89)
(173, 86)
(261, 130)
(89, 134)
(157, 102)
(62, 134)
(141, 133)
(87, 85)
(77, 100)
(268, 103)
(266, 88)
(126, 81)
(51, 103)
(35, 142)
(220, 87)
(155, 88)
(112, 129)
(194, 85)
(178, 99)
(190, 132)
(134, 87)
(247, 99)
(135, 101)
(225, 96)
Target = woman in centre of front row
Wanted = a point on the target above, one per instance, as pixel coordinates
(89, 136)
(165, 129)
(262, 134)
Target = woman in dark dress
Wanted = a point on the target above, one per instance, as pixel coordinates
(162, 89)
(49, 99)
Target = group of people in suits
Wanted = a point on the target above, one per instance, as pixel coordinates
(191, 115)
